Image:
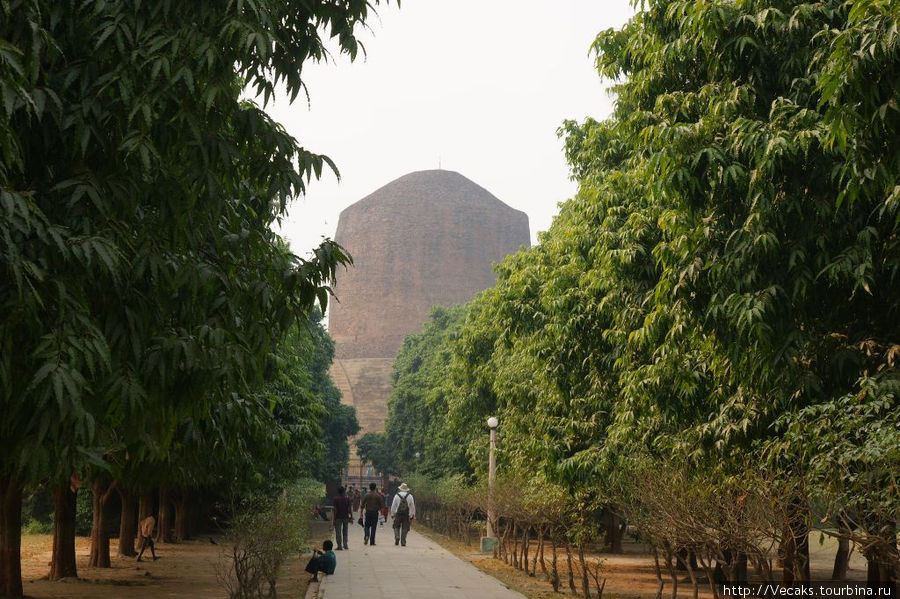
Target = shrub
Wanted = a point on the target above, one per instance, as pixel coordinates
(36, 527)
(265, 531)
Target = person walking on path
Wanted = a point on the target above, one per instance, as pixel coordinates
(357, 500)
(342, 517)
(384, 507)
(403, 511)
(371, 504)
(146, 529)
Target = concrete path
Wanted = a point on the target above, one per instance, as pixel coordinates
(421, 569)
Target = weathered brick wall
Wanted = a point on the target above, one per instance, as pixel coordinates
(427, 238)
(365, 383)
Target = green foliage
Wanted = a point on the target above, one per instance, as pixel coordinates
(293, 426)
(83, 513)
(338, 421)
(142, 279)
(419, 401)
(379, 450)
(37, 513)
(141, 282)
(722, 292)
(849, 451)
(32, 526)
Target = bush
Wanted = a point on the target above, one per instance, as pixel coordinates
(265, 531)
(36, 527)
(84, 512)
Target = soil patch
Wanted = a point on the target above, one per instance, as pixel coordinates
(628, 575)
(185, 569)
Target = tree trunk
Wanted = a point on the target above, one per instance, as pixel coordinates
(841, 559)
(796, 544)
(526, 545)
(690, 569)
(614, 530)
(145, 505)
(164, 522)
(880, 575)
(538, 552)
(670, 568)
(145, 508)
(128, 524)
(585, 587)
(710, 577)
(515, 546)
(63, 564)
(571, 570)
(740, 569)
(880, 572)
(554, 570)
(102, 492)
(183, 516)
(660, 583)
(10, 538)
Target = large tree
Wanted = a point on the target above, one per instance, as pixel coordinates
(723, 288)
(140, 274)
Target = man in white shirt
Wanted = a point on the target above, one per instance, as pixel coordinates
(403, 511)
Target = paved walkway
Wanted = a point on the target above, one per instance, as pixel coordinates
(421, 569)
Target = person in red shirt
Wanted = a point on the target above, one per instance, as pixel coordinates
(342, 515)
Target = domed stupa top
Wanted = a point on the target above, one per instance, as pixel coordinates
(429, 237)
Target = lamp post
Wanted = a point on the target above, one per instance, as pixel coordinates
(489, 541)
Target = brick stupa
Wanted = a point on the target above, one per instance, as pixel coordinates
(428, 238)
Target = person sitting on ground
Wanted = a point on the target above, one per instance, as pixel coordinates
(146, 529)
(322, 561)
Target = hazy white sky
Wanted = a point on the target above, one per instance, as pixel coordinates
(475, 86)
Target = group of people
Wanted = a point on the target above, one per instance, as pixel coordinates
(368, 507)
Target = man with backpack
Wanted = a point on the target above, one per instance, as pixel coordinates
(403, 511)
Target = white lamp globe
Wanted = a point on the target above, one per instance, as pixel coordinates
(492, 422)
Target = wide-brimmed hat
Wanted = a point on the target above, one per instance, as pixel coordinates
(403, 487)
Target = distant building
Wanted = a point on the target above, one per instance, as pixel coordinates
(427, 238)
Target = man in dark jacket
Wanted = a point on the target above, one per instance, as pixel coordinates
(342, 514)
(372, 504)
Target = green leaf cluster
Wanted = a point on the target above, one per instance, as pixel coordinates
(145, 297)
(721, 295)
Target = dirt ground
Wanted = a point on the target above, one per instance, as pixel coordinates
(627, 575)
(189, 570)
(183, 570)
